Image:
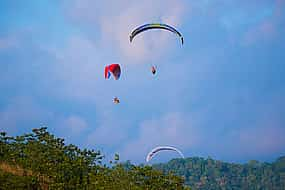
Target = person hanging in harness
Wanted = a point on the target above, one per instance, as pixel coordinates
(116, 100)
(153, 70)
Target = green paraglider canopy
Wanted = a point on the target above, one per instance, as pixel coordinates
(145, 27)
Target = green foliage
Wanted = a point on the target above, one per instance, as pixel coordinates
(10, 181)
(39, 160)
(209, 174)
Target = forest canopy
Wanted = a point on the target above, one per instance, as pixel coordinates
(205, 174)
(39, 160)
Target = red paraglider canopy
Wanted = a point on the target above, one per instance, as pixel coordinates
(115, 69)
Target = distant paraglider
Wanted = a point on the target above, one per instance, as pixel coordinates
(153, 70)
(153, 152)
(150, 26)
(116, 100)
(115, 69)
(145, 27)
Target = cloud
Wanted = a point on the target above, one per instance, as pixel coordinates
(23, 113)
(74, 125)
(114, 21)
(112, 130)
(76, 68)
(109, 135)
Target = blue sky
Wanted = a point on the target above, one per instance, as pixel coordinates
(221, 94)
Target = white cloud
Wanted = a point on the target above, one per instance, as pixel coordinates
(115, 20)
(75, 125)
(77, 69)
(112, 132)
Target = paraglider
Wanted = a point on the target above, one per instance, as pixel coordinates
(116, 100)
(150, 26)
(153, 70)
(115, 69)
(153, 152)
(145, 27)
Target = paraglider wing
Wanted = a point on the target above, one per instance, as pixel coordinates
(155, 26)
(115, 69)
(152, 153)
(107, 72)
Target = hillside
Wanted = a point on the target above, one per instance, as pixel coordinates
(206, 174)
(39, 160)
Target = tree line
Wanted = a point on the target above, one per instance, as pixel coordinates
(39, 160)
(207, 174)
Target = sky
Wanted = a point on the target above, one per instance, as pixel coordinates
(220, 95)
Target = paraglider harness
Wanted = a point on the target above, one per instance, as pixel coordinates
(116, 100)
(153, 70)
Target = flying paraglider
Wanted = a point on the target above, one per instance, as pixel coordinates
(152, 153)
(150, 26)
(153, 70)
(115, 69)
(116, 100)
(145, 27)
